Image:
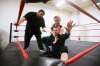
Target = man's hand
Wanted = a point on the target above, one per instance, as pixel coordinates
(20, 21)
(69, 25)
(16, 24)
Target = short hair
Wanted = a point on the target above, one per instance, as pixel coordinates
(56, 17)
(41, 10)
(55, 26)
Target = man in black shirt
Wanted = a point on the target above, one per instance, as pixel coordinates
(34, 22)
(57, 42)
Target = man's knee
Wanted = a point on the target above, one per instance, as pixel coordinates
(64, 56)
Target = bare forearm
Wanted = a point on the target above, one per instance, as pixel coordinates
(22, 20)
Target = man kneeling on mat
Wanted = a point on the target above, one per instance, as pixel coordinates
(57, 42)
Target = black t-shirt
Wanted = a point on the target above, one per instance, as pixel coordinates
(34, 23)
(59, 46)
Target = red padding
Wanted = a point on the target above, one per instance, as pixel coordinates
(81, 54)
(25, 54)
(20, 10)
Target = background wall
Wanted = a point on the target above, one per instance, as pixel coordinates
(9, 12)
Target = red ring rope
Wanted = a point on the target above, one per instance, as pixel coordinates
(20, 11)
(81, 54)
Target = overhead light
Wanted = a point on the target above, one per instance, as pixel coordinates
(60, 3)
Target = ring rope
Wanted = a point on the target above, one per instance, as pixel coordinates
(89, 24)
(81, 54)
(86, 30)
(85, 36)
(20, 11)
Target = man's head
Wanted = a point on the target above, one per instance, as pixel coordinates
(41, 13)
(56, 30)
(57, 19)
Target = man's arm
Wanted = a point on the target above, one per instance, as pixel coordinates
(69, 26)
(68, 29)
(20, 21)
(43, 25)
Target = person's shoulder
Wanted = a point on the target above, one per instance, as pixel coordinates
(31, 12)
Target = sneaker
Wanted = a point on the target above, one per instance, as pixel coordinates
(45, 54)
(42, 51)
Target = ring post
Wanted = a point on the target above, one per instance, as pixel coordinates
(10, 36)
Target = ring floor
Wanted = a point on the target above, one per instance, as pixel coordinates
(11, 56)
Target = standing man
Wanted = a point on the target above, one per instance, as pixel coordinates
(34, 20)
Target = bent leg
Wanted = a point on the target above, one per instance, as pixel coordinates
(39, 42)
(27, 37)
(46, 42)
